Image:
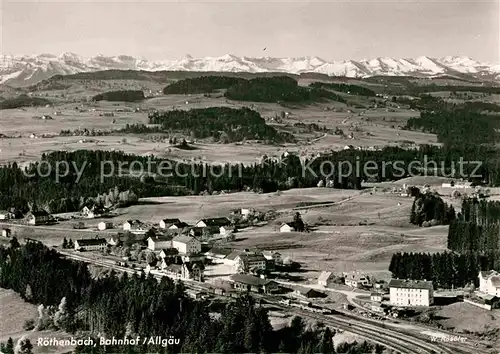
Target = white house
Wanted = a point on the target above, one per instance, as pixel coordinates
(135, 227)
(356, 280)
(287, 227)
(213, 222)
(325, 279)
(377, 297)
(273, 256)
(248, 261)
(159, 243)
(411, 292)
(6, 232)
(186, 244)
(178, 226)
(166, 223)
(104, 225)
(489, 282)
(88, 213)
(38, 217)
(91, 244)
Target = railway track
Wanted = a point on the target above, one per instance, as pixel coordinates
(378, 333)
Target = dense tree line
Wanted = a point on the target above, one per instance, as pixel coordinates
(444, 269)
(346, 88)
(222, 123)
(477, 228)
(278, 89)
(131, 306)
(203, 84)
(23, 101)
(38, 184)
(458, 127)
(429, 209)
(123, 95)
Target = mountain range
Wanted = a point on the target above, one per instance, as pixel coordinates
(28, 70)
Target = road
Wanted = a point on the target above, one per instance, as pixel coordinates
(375, 331)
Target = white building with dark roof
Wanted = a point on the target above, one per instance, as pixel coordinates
(404, 292)
(489, 282)
(325, 278)
(159, 242)
(186, 244)
(90, 244)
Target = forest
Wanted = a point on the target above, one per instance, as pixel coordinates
(123, 95)
(458, 127)
(473, 238)
(278, 89)
(202, 84)
(41, 184)
(429, 209)
(477, 228)
(346, 88)
(127, 306)
(271, 89)
(445, 269)
(23, 101)
(224, 124)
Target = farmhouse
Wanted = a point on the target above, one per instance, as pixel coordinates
(250, 261)
(135, 226)
(159, 242)
(218, 254)
(196, 231)
(190, 270)
(244, 213)
(245, 282)
(287, 227)
(6, 215)
(178, 225)
(93, 212)
(168, 253)
(166, 223)
(356, 280)
(411, 292)
(6, 232)
(309, 293)
(186, 244)
(90, 244)
(232, 258)
(376, 297)
(104, 225)
(273, 256)
(325, 279)
(38, 217)
(214, 222)
(489, 282)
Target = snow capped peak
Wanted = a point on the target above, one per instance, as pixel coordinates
(27, 70)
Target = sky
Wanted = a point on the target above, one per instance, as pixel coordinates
(332, 30)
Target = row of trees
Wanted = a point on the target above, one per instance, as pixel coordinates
(477, 228)
(346, 88)
(56, 189)
(130, 306)
(445, 270)
(23, 101)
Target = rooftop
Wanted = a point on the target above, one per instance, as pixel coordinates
(91, 241)
(411, 284)
(250, 280)
(183, 238)
(223, 221)
(324, 276)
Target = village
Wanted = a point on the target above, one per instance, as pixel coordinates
(205, 253)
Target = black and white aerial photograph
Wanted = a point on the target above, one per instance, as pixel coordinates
(236, 176)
